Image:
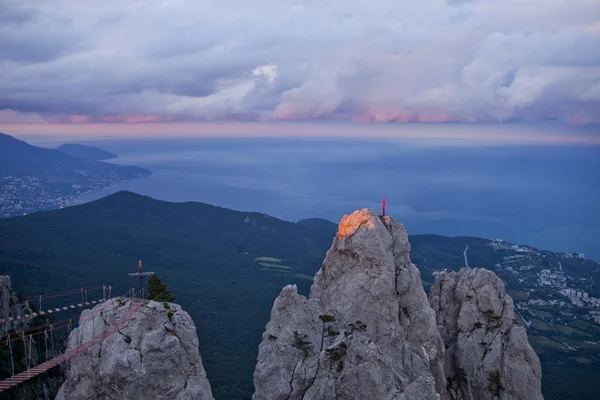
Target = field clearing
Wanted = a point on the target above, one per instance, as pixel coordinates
(517, 294)
(582, 360)
(271, 265)
(570, 331)
(544, 342)
(540, 325)
(586, 326)
(582, 344)
(275, 270)
(268, 259)
(544, 314)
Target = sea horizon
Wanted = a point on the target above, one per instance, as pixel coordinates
(540, 195)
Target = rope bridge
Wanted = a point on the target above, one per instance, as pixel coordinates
(45, 366)
(46, 333)
(84, 302)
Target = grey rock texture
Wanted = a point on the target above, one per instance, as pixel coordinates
(487, 353)
(153, 356)
(11, 307)
(40, 387)
(365, 332)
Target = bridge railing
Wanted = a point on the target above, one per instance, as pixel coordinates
(48, 333)
(31, 372)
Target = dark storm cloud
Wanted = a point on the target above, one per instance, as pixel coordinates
(382, 61)
(30, 36)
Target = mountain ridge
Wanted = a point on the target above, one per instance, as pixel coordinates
(86, 152)
(34, 178)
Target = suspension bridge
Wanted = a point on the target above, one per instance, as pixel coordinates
(47, 333)
(84, 302)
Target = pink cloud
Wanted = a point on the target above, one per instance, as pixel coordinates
(125, 119)
(8, 116)
(284, 112)
(582, 117)
(403, 115)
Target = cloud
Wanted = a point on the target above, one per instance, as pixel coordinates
(8, 116)
(385, 61)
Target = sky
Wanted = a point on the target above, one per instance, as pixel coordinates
(389, 61)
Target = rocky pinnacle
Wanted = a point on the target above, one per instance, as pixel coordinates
(487, 353)
(153, 356)
(367, 330)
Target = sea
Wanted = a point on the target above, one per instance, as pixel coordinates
(545, 195)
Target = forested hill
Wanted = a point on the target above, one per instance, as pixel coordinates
(105, 238)
(35, 178)
(19, 158)
(86, 152)
(226, 267)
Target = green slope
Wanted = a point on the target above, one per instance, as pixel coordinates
(226, 268)
(205, 253)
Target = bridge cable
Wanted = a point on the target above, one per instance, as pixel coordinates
(24, 345)
(39, 349)
(25, 349)
(30, 359)
(12, 362)
(46, 347)
(52, 339)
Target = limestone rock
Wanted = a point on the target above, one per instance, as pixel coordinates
(153, 356)
(365, 332)
(487, 353)
(10, 306)
(43, 386)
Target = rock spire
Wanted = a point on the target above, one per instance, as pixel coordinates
(487, 353)
(366, 330)
(153, 356)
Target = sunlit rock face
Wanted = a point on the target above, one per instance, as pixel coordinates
(487, 353)
(365, 332)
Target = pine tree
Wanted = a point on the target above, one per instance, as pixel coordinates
(157, 290)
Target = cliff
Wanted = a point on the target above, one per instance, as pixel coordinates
(44, 386)
(10, 306)
(487, 353)
(154, 355)
(367, 330)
